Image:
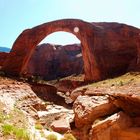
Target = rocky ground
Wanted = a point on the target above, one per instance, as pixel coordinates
(106, 110)
(31, 116)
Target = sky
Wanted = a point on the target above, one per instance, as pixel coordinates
(18, 15)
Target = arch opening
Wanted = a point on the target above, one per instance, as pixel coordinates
(57, 56)
(61, 38)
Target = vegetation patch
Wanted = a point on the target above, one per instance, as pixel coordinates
(126, 79)
(18, 133)
(68, 136)
(51, 137)
(14, 124)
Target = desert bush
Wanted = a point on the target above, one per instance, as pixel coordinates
(51, 137)
(38, 126)
(19, 133)
(68, 136)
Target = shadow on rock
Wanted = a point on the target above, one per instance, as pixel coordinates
(49, 94)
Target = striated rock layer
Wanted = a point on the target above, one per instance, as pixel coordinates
(55, 61)
(108, 49)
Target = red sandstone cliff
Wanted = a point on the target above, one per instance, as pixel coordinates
(54, 61)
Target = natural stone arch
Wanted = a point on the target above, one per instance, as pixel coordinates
(27, 41)
(108, 49)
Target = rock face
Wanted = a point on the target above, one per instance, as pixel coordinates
(88, 109)
(3, 56)
(118, 126)
(108, 49)
(108, 110)
(48, 93)
(117, 48)
(55, 61)
(62, 125)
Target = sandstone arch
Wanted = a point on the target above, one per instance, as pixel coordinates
(108, 48)
(30, 38)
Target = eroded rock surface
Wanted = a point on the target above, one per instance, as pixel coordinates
(118, 126)
(62, 125)
(88, 109)
(48, 93)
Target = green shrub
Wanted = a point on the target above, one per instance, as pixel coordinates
(3, 117)
(68, 136)
(38, 126)
(19, 133)
(121, 83)
(51, 137)
(7, 129)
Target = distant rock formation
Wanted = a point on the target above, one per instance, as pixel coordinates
(4, 49)
(55, 61)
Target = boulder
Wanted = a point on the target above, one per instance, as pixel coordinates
(61, 125)
(124, 91)
(47, 92)
(118, 126)
(68, 85)
(88, 109)
(127, 98)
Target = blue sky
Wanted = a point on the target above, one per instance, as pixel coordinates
(17, 15)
